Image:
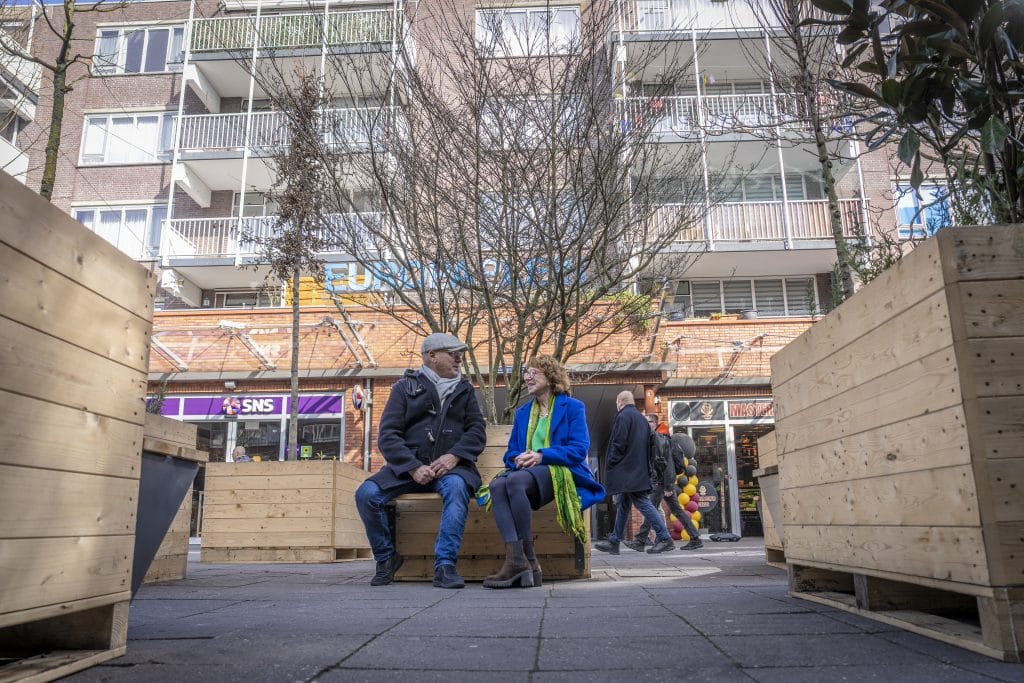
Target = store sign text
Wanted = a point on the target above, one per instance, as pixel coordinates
(248, 406)
(751, 409)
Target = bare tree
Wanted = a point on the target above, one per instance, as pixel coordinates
(506, 187)
(71, 50)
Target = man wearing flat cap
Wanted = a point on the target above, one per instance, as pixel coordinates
(431, 432)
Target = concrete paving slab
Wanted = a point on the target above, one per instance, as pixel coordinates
(442, 676)
(626, 653)
(847, 649)
(736, 623)
(858, 674)
(660, 628)
(456, 653)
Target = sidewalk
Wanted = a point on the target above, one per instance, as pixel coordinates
(716, 614)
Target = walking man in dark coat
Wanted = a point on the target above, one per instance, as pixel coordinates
(431, 432)
(628, 475)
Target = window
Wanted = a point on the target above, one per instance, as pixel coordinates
(527, 31)
(252, 298)
(770, 297)
(919, 213)
(127, 138)
(138, 50)
(254, 204)
(768, 188)
(529, 122)
(135, 230)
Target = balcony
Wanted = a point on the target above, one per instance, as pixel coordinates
(305, 31)
(683, 116)
(13, 160)
(764, 222)
(19, 80)
(684, 16)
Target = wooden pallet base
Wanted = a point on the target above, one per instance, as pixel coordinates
(287, 555)
(988, 621)
(775, 557)
(346, 554)
(54, 647)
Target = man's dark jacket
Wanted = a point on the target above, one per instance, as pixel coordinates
(415, 430)
(626, 467)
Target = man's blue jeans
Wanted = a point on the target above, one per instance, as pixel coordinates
(623, 505)
(371, 502)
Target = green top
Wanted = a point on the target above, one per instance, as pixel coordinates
(540, 434)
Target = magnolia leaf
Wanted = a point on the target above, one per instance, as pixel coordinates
(989, 23)
(890, 92)
(916, 175)
(993, 135)
(853, 87)
(910, 144)
(833, 6)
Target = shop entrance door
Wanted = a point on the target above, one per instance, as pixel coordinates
(715, 503)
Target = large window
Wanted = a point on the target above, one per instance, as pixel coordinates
(138, 50)
(527, 31)
(127, 138)
(135, 230)
(920, 213)
(770, 297)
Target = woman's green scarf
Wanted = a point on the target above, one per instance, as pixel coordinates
(567, 501)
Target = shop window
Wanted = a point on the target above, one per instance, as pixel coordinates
(748, 490)
(321, 439)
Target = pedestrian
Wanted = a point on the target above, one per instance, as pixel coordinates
(628, 475)
(663, 490)
(431, 433)
(546, 460)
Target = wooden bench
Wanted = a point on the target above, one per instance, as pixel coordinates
(415, 519)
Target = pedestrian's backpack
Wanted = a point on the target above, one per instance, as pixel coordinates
(658, 452)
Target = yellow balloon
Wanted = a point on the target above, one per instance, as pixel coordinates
(683, 536)
(686, 462)
(693, 480)
(671, 518)
(695, 516)
(683, 499)
(689, 490)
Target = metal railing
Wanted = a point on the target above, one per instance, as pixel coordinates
(293, 31)
(687, 15)
(232, 237)
(683, 115)
(269, 129)
(761, 221)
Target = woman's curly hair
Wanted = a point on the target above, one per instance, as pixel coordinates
(554, 371)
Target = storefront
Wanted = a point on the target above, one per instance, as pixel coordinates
(260, 423)
(725, 433)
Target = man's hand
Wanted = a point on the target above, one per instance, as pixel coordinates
(443, 465)
(423, 474)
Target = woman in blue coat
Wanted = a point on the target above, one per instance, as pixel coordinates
(546, 460)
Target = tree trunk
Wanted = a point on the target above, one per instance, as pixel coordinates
(53, 139)
(293, 418)
(843, 265)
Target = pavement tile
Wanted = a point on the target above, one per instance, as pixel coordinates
(999, 671)
(736, 623)
(815, 650)
(445, 676)
(702, 673)
(626, 653)
(858, 674)
(462, 652)
(487, 622)
(652, 627)
(559, 611)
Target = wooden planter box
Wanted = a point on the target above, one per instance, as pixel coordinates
(416, 518)
(75, 333)
(899, 422)
(294, 511)
(771, 502)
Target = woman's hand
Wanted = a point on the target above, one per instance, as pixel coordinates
(527, 459)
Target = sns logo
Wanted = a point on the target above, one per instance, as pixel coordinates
(248, 406)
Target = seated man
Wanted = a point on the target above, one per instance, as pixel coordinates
(431, 433)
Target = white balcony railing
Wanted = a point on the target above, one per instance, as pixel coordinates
(761, 221)
(231, 237)
(687, 15)
(351, 128)
(293, 31)
(685, 115)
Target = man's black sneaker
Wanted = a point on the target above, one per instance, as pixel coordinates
(607, 547)
(693, 544)
(445, 576)
(386, 570)
(637, 545)
(662, 546)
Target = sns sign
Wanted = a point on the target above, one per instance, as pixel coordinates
(247, 406)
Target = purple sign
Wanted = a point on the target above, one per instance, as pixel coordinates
(250, 405)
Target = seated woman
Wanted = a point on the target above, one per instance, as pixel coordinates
(546, 460)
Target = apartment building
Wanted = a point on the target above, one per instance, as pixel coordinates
(168, 149)
(19, 88)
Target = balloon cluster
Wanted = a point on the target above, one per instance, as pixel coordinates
(688, 499)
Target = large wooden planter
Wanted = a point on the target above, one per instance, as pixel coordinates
(294, 511)
(899, 420)
(482, 552)
(75, 322)
(771, 501)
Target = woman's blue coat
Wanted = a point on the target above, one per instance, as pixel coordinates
(570, 442)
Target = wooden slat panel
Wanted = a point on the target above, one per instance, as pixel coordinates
(151, 445)
(350, 538)
(1006, 489)
(37, 572)
(49, 302)
(233, 555)
(919, 498)
(992, 309)
(920, 330)
(72, 249)
(880, 300)
(170, 430)
(938, 439)
(166, 568)
(995, 252)
(36, 364)
(480, 544)
(1006, 554)
(303, 509)
(997, 366)
(955, 554)
(36, 503)
(284, 482)
(921, 387)
(266, 524)
(266, 496)
(36, 433)
(265, 539)
(999, 427)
